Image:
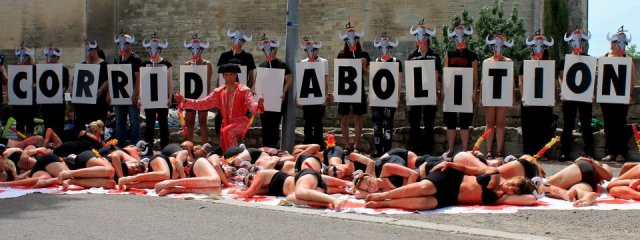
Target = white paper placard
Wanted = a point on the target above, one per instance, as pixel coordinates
(20, 84)
(458, 89)
(153, 87)
(310, 76)
(85, 84)
(540, 92)
(197, 81)
(242, 76)
(420, 82)
(49, 84)
(614, 76)
(578, 78)
(121, 83)
(497, 92)
(269, 84)
(347, 80)
(383, 84)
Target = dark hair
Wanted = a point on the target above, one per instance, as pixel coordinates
(525, 185)
(101, 54)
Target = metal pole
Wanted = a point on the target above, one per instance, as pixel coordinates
(289, 118)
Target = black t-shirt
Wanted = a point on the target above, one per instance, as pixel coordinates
(431, 55)
(276, 63)
(104, 76)
(462, 58)
(393, 59)
(148, 63)
(243, 58)
(134, 60)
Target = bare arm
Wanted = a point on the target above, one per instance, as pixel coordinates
(408, 174)
(287, 84)
(517, 200)
(169, 85)
(371, 165)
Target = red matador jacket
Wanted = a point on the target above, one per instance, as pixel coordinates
(233, 111)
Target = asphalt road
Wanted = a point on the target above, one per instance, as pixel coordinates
(41, 216)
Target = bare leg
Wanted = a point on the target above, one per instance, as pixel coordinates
(357, 122)
(190, 122)
(626, 167)
(52, 138)
(490, 116)
(624, 192)
(467, 159)
(344, 126)
(566, 177)
(90, 172)
(414, 203)
(501, 115)
(464, 135)
(451, 140)
(37, 141)
(189, 183)
(106, 183)
(204, 129)
(585, 195)
(423, 188)
(205, 191)
(146, 185)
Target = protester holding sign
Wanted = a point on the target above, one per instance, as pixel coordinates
(616, 132)
(25, 114)
(155, 47)
(313, 114)
(238, 56)
(132, 111)
(85, 113)
(196, 47)
(271, 120)
(578, 42)
(496, 115)
(234, 100)
(382, 117)
(353, 50)
(53, 114)
(421, 140)
(460, 57)
(536, 120)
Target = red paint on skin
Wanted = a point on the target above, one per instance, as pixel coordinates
(614, 201)
(350, 204)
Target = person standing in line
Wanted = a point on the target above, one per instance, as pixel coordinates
(271, 120)
(421, 140)
(87, 113)
(53, 114)
(132, 111)
(196, 47)
(24, 115)
(313, 114)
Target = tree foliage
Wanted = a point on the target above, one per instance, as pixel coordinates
(489, 22)
(633, 52)
(556, 21)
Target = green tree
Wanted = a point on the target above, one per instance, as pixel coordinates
(633, 52)
(556, 20)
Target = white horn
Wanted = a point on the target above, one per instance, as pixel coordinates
(360, 34)
(204, 45)
(132, 39)
(165, 45)
(30, 52)
(529, 43)
(588, 36)
(342, 35)
(145, 44)
(567, 39)
(116, 39)
(509, 44)
(629, 40)
(449, 33)
(187, 45)
(247, 39)
(275, 44)
(430, 32)
(17, 51)
(230, 34)
(489, 42)
(376, 43)
(394, 44)
(413, 32)
(469, 32)
(318, 46)
(549, 44)
(303, 45)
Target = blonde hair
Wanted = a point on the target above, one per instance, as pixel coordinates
(10, 170)
(95, 127)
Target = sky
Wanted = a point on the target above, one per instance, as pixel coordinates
(607, 16)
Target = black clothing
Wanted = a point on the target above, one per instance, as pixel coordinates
(421, 140)
(318, 175)
(277, 183)
(569, 110)
(255, 154)
(53, 114)
(301, 158)
(83, 143)
(589, 175)
(243, 58)
(271, 120)
(162, 115)
(530, 169)
(170, 149)
(488, 195)
(166, 159)
(391, 159)
(42, 162)
(313, 128)
(447, 185)
(456, 58)
(81, 160)
(400, 152)
(87, 113)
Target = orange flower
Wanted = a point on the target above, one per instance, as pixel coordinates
(331, 140)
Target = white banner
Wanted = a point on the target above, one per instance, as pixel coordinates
(458, 89)
(310, 83)
(497, 83)
(242, 76)
(121, 83)
(420, 82)
(193, 81)
(614, 80)
(85, 83)
(578, 78)
(153, 87)
(269, 84)
(20, 84)
(347, 80)
(383, 84)
(538, 83)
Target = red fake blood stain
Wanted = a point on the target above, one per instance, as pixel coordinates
(1, 191)
(613, 201)
(254, 199)
(384, 210)
(541, 204)
(75, 188)
(350, 204)
(133, 191)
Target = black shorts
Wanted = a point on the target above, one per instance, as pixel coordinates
(352, 108)
(589, 175)
(453, 120)
(42, 162)
(447, 185)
